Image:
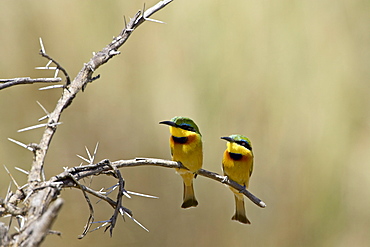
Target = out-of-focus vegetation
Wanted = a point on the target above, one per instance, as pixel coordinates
(293, 76)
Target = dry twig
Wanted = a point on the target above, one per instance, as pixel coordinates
(26, 80)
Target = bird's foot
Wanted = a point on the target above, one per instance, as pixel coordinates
(244, 188)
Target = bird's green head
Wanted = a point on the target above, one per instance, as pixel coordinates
(240, 140)
(182, 123)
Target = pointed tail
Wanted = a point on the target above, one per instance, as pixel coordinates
(189, 196)
(240, 210)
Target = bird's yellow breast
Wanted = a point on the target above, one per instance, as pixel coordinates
(238, 170)
(190, 154)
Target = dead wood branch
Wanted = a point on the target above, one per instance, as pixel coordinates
(105, 167)
(37, 206)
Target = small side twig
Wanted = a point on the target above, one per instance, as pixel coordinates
(91, 208)
(121, 184)
(58, 66)
(5, 83)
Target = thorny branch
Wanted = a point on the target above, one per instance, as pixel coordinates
(71, 177)
(105, 167)
(111, 168)
(38, 204)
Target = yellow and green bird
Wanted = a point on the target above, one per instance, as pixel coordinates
(237, 164)
(186, 147)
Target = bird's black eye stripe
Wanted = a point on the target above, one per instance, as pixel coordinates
(187, 127)
(245, 144)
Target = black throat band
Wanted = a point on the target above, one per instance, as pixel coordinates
(235, 156)
(181, 140)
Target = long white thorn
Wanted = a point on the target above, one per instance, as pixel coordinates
(10, 175)
(38, 126)
(153, 20)
(43, 108)
(50, 68)
(54, 124)
(42, 118)
(56, 73)
(42, 45)
(21, 144)
(28, 195)
(105, 222)
(84, 159)
(133, 219)
(33, 127)
(88, 154)
(124, 192)
(47, 65)
(51, 87)
(23, 186)
(95, 151)
(8, 192)
(142, 195)
(21, 170)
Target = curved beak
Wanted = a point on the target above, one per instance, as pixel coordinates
(170, 123)
(229, 139)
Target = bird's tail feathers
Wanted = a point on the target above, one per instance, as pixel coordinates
(189, 196)
(240, 214)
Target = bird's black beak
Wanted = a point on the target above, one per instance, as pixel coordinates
(229, 139)
(170, 123)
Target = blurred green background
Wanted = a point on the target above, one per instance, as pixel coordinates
(293, 76)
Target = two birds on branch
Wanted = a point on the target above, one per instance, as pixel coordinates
(186, 147)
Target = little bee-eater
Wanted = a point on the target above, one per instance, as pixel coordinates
(186, 147)
(237, 164)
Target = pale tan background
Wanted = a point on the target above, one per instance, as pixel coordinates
(291, 75)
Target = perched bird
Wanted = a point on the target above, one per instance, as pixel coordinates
(237, 164)
(186, 147)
